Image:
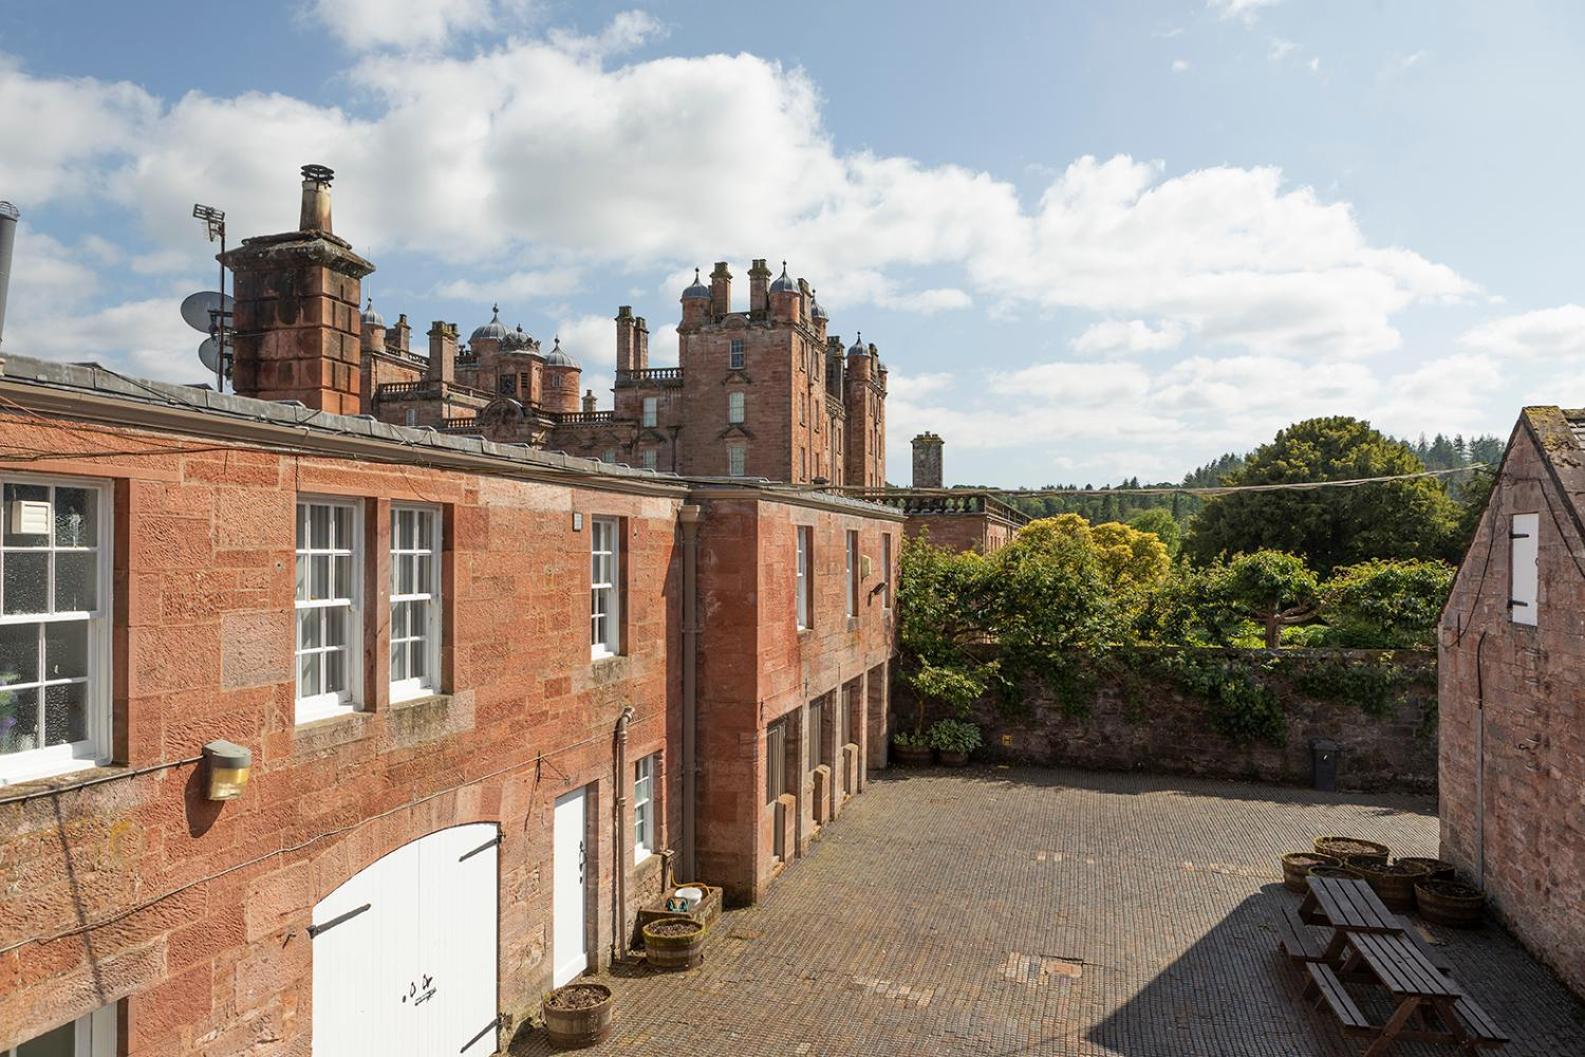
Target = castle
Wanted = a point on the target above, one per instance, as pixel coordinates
(765, 392)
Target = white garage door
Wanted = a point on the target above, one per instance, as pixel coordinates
(405, 952)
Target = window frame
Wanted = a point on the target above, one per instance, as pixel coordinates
(736, 355)
(420, 686)
(649, 459)
(610, 590)
(886, 571)
(644, 835)
(852, 550)
(1524, 586)
(815, 729)
(736, 460)
(93, 1034)
(323, 705)
(803, 578)
(649, 412)
(96, 748)
(736, 407)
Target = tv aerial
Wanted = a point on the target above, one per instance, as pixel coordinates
(209, 311)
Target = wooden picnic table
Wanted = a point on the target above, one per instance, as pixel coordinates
(1369, 943)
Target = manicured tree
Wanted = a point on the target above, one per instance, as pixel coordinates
(1272, 588)
(1386, 604)
(1328, 526)
(940, 604)
(1051, 591)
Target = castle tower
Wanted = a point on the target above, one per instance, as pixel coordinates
(298, 328)
(927, 461)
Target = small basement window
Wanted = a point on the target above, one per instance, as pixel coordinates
(1523, 554)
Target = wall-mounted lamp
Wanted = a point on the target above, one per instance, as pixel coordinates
(228, 764)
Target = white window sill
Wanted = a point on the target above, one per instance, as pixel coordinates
(640, 853)
(18, 768)
(410, 692)
(600, 653)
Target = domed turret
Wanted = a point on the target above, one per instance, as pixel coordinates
(494, 330)
(371, 329)
(698, 291)
(517, 341)
(815, 308)
(370, 317)
(858, 348)
(784, 283)
(556, 357)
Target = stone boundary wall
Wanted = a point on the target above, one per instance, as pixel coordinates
(1150, 723)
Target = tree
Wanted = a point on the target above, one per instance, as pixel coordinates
(1159, 522)
(1051, 590)
(1386, 604)
(1272, 588)
(1328, 526)
(1132, 557)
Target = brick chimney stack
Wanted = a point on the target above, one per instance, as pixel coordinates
(399, 336)
(443, 352)
(758, 289)
(589, 403)
(720, 290)
(626, 332)
(297, 321)
(927, 461)
(641, 343)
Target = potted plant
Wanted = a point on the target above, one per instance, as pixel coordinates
(577, 1015)
(1296, 866)
(954, 739)
(674, 943)
(1449, 902)
(910, 748)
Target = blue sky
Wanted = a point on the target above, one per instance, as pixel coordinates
(1091, 240)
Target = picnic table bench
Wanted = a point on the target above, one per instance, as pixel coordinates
(1370, 944)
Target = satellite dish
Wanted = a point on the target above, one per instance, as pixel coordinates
(209, 354)
(199, 310)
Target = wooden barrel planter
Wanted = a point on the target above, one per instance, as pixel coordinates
(1346, 848)
(949, 758)
(911, 755)
(1296, 866)
(1336, 871)
(1449, 902)
(1393, 882)
(1436, 869)
(578, 1015)
(675, 944)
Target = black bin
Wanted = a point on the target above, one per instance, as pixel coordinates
(1324, 756)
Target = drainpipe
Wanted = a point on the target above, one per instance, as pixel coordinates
(1480, 766)
(689, 516)
(8, 233)
(619, 880)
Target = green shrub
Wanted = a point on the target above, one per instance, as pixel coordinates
(954, 735)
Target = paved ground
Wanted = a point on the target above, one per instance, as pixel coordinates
(1003, 912)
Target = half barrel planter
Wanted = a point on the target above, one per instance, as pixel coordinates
(578, 1015)
(674, 944)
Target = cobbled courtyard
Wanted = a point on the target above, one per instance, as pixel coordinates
(1036, 911)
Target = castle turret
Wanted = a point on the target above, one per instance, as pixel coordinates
(927, 461)
(695, 305)
(785, 299)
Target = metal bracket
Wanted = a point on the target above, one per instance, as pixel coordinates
(492, 842)
(315, 930)
(500, 1018)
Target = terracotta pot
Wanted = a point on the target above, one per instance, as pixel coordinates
(1346, 848)
(949, 758)
(1449, 902)
(574, 1029)
(674, 952)
(911, 755)
(1296, 866)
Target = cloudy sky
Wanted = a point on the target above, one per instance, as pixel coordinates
(1091, 240)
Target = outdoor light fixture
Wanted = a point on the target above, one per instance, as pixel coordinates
(229, 764)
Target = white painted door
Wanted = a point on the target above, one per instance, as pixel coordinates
(405, 952)
(569, 937)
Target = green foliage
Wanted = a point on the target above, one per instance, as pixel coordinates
(954, 735)
(1159, 522)
(1272, 588)
(940, 597)
(1376, 687)
(1241, 707)
(909, 739)
(957, 688)
(1386, 604)
(1053, 592)
(1329, 526)
(1133, 559)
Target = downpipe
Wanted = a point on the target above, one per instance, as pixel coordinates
(619, 822)
(689, 515)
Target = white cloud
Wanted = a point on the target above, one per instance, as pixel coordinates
(538, 150)
(1548, 333)
(1120, 336)
(1083, 383)
(1180, 65)
(1246, 10)
(1399, 65)
(1280, 49)
(365, 25)
(527, 285)
(1314, 65)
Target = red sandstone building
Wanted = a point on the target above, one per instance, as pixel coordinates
(1512, 695)
(958, 519)
(495, 697)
